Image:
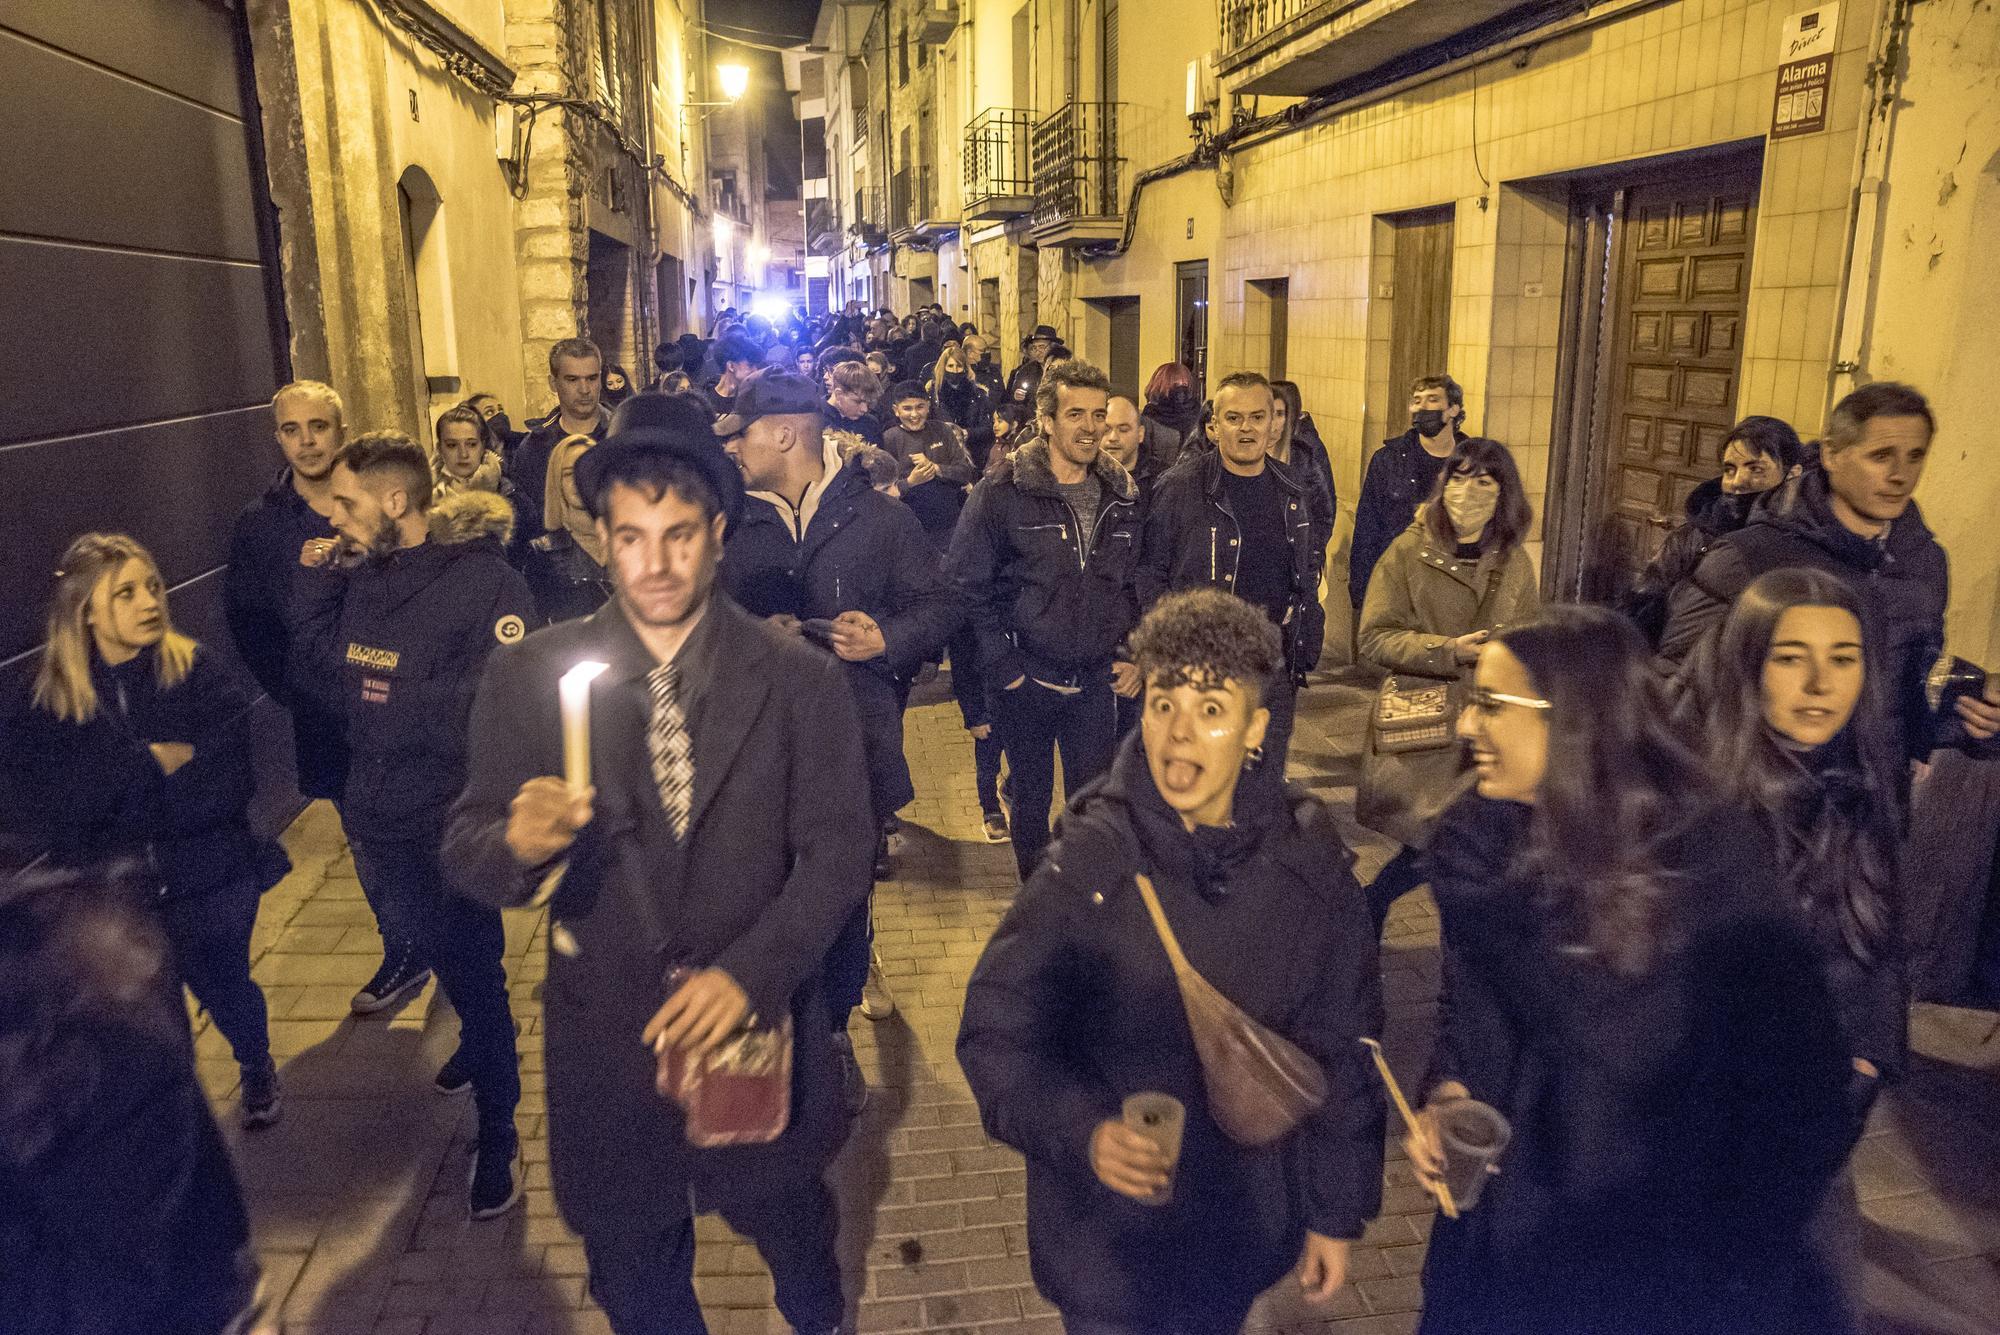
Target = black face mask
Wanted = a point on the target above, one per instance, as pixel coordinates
(1733, 512)
(1427, 421)
(500, 426)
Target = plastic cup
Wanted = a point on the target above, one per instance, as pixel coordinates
(1161, 1119)
(1474, 1135)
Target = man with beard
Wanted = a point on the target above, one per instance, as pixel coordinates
(258, 591)
(394, 623)
(704, 877)
(1044, 561)
(1759, 453)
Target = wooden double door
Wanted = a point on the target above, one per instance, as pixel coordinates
(1660, 282)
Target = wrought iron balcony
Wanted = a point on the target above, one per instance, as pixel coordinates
(822, 228)
(1079, 176)
(1294, 47)
(998, 182)
(869, 228)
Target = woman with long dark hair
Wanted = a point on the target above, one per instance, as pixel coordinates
(1172, 400)
(133, 753)
(1073, 1007)
(1458, 572)
(1628, 983)
(1791, 722)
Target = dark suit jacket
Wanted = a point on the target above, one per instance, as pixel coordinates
(778, 854)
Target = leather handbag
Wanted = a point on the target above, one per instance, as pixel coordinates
(1259, 1084)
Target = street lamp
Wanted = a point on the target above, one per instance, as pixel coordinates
(735, 80)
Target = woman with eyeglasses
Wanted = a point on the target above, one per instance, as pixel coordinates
(1627, 983)
(1455, 574)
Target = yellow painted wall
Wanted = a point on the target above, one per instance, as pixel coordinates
(1937, 288)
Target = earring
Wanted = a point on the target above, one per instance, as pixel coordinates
(1254, 756)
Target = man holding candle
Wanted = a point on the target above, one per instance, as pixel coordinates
(725, 831)
(393, 626)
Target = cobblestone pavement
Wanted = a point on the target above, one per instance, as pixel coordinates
(358, 1195)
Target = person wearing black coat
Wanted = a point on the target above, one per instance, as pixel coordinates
(1854, 518)
(1400, 477)
(1760, 453)
(264, 560)
(1049, 589)
(1073, 1008)
(133, 754)
(393, 633)
(121, 1213)
(1625, 982)
(772, 859)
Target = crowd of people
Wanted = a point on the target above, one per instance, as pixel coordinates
(1664, 838)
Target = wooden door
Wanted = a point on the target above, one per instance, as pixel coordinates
(1420, 310)
(1682, 262)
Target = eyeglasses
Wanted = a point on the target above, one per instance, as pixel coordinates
(1489, 702)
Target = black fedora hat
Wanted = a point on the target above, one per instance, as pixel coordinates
(674, 425)
(1046, 333)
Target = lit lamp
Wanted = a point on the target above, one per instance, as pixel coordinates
(735, 80)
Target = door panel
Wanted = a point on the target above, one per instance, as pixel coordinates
(1682, 259)
(1420, 310)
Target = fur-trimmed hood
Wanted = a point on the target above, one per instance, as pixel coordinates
(1033, 474)
(485, 477)
(467, 515)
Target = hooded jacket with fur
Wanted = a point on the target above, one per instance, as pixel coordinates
(395, 648)
(1043, 604)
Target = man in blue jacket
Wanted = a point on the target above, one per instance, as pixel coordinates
(1401, 474)
(395, 620)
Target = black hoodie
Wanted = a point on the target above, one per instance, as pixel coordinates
(395, 647)
(1902, 580)
(1710, 515)
(1073, 1007)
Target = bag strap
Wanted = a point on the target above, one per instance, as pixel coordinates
(1160, 925)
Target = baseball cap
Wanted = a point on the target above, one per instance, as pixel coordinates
(771, 394)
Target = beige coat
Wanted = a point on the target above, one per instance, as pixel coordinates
(1420, 598)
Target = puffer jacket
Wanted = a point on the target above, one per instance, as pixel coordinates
(1711, 515)
(395, 647)
(1192, 540)
(1903, 581)
(1073, 1007)
(1043, 605)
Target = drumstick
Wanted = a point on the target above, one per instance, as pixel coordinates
(1445, 1201)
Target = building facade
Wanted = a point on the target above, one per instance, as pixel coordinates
(1621, 226)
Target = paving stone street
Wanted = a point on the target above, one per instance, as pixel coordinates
(358, 1195)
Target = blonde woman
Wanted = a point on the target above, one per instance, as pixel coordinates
(575, 581)
(132, 756)
(466, 457)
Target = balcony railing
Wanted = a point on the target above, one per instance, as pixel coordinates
(1079, 174)
(868, 229)
(822, 227)
(1245, 21)
(999, 182)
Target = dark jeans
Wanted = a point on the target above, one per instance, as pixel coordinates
(1033, 722)
(847, 963)
(644, 1278)
(210, 933)
(1399, 875)
(986, 754)
(464, 943)
(399, 923)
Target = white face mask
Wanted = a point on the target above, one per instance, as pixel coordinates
(1470, 506)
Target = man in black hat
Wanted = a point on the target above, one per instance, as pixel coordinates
(727, 833)
(1039, 343)
(823, 551)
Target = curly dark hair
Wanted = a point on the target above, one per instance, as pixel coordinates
(1207, 636)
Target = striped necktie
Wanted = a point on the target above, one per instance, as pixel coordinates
(671, 748)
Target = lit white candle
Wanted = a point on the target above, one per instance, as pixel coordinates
(575, 691)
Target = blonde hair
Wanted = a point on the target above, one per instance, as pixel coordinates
(63, 686)
(317, 390)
